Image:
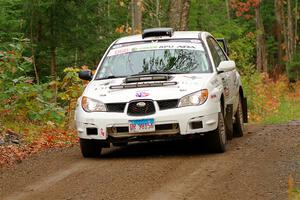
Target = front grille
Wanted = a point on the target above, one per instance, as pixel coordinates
(139, 108)
(160, 129)
(167, 104)
(115, 107)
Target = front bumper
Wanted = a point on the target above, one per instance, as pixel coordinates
(169, 123)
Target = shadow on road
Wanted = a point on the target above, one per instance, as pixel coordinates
(159, 148)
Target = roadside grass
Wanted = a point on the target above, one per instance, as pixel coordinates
(288, 110)
(293, 191)
(28, 132)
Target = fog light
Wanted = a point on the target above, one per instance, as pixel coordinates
(196, 125)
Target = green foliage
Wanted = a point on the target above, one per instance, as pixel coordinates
(11, 21)
(13, 63)
(78, 32)
(19, 97)
(243, 51)
(236, 32)
(71, 87)
(31, 101)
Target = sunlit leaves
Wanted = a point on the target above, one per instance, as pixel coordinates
(243, 7)
(31, 143)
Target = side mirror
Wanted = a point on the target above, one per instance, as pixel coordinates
(85, 75)
(226, 66)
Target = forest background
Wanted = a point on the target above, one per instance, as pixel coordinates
(44, 43)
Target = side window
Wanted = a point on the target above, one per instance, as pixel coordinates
(214, 52)
(218, 48)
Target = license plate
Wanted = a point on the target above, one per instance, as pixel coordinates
(141, 126)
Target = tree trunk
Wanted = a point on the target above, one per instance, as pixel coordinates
(32, 41)
(228, 9)
(296, 27)
(175, 14)
(157, 13)
(280, 26)
(290, 32)
(136, 6)
(179, 14)
(185, 11)
(261, 50)
(53, 62)
(52, 45)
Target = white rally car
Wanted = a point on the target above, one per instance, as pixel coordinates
(158, 85)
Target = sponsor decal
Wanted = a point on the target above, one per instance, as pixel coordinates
(115, 52)
(102, 133)
(134, 48)
(213, 96)
(226, 91)
(142, 94)
(144, 48)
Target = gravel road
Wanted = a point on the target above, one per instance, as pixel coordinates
(255, 166)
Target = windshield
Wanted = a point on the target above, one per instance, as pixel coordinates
(154, 58)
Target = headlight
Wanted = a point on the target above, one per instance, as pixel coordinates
(92, 105)
(194, 99)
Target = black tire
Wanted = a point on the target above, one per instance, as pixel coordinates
(238, 126)
(90, 148)
(229, 122)
(218, 138)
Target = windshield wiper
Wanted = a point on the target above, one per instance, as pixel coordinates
(110, 77)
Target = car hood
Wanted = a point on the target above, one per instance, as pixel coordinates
(184, 84)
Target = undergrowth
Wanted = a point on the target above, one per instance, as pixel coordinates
(293, 191)
(271, 101)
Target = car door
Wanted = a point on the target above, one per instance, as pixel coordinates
(228, 78)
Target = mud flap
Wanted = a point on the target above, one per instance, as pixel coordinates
(245, 110)
(229, 121)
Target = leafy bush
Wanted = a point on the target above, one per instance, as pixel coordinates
(20, 98)
(269, 100)
(242, 51)
(71, 88)
(27, 101)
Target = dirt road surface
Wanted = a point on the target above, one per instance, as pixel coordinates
(255, 166)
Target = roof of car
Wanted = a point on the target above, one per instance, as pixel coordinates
(176, 35)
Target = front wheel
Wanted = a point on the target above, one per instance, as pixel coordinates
(90, 148)
(217, 138)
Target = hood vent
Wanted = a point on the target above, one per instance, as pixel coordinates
(142, 85)
(134, 79)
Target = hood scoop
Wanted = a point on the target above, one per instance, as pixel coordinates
(142, 85)
(147, 78)
(145, 81)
